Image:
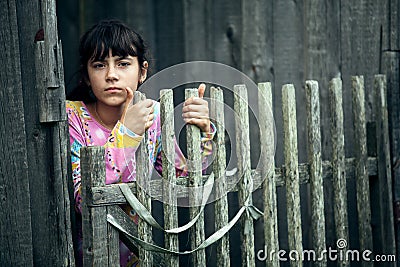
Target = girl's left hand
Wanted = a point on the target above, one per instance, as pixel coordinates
(195, 111)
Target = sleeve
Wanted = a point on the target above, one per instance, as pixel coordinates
(120, 147)
(180, 160)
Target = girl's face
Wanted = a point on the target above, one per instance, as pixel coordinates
(108, 78)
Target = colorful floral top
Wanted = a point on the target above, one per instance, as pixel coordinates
(120, 146)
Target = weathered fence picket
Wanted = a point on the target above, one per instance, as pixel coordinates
(195, 183)
(362, 179)
(168, 159)
(244, 171)
(219, 167)
(142, 182)
(292, 173)
(384, 166)
(338, 163)
(268, 172)
(94, 219)
(315, 161)
(100, 199)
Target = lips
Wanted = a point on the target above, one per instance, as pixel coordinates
(113, 90)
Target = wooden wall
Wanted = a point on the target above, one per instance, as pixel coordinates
(279, 41)
(35, 227)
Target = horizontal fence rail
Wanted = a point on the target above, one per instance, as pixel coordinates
(105, 223)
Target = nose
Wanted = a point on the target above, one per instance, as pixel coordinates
(112, 74)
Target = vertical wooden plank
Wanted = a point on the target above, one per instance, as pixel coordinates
(16, 246)
(292, 171)
(142, 182)
(226, 34)
(257, 47)
(46, 143)
(391, 68)
(256, 51)
(390, 26)
(338, 163)
(219, 168)
(362, 178)
(322, 45)
(361, 23)
(244, 171)
(112, 244)
(140, 15)
(51, 91)
(315, 161)
(268, 171)
(321, 39)
(169, 37)
(195, 14)
(61, 177)
(195, 183)
(288, 58)
(94, 219)
(384, 167)
(394, 22)
(168, 160)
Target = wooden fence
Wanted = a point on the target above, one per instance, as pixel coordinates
(100, 201)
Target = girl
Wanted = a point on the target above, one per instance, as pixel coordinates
(113, 65)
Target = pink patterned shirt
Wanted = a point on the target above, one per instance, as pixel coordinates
(120, 146)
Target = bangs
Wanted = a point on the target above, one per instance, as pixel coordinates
(98, 43)
(101, 50)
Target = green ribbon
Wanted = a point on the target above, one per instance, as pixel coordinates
(251, 211)
(147, 217)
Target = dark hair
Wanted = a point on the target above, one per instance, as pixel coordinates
(95, 45)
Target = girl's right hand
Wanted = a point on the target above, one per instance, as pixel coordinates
(138, 117)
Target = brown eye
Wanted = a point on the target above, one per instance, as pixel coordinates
(124, 64)
(98, 65)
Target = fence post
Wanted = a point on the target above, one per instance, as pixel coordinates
(169, 174)
(362, 178)
(142, 187)
(94, 219)
(268, 172)
(244, 172)
(315, 161)
(391, 67)
(219, 168)
(292, 172)
(338, 163)
(384, 166)
(195, 185)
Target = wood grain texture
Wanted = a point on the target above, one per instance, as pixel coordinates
(245, 185)
(142, 191)
(219, 168)
(292, 172)
(16, 247)
(267, 143)
(94, 219)
(110, 194)
(195, 186)
(169, 174)
(384, 167)
(362, 179)
(338, 163)
(315, 161)
(47, 144)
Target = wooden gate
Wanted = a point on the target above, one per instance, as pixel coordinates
(104, 223)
